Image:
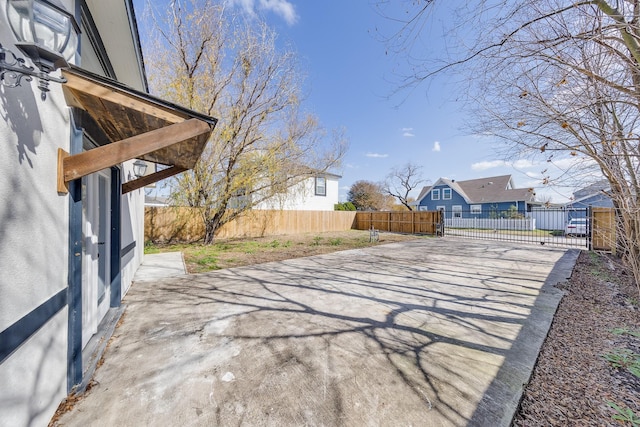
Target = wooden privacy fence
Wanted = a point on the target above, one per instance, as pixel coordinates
(183, 224)
(603, 227)
(415, 222)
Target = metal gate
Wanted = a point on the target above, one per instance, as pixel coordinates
(540, 226)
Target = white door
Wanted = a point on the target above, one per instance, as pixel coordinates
(96, 251)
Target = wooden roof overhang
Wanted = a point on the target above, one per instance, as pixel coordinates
(137, 125)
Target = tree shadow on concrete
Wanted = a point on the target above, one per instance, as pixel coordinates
(419, 332)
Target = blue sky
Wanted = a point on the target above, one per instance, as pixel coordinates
(349, 80)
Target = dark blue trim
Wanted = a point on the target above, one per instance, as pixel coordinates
(74, 281)
(16, 334)
(131, 246)
(116, 239)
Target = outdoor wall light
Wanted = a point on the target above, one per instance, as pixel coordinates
(47, 34)
(139, 168)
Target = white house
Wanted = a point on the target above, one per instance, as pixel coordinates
(318, 193)
(71, 204)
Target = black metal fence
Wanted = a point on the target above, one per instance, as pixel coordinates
(542, 226)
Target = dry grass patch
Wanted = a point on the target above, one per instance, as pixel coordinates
(238, 252)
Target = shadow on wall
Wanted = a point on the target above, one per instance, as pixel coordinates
(31, 396)
(20, 112)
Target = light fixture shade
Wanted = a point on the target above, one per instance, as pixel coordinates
(139, 168)
(45, 24)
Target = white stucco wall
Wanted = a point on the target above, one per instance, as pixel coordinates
(132, 229)
(33, 244)
(302, 197)
(34, 239)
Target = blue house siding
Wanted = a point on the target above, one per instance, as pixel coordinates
(487, 210)
(597, 200)
(428, 204)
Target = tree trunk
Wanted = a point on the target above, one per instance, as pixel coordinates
(211, 225)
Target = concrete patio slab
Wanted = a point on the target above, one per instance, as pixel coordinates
(432, 332)
(160, 266)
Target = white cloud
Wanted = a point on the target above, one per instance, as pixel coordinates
(377, 155)
(533, 174)
(351, 166)
(518, 164)
(345, 187)
(481, 166)
(523, 164)
(436, 146)
(282, 8)
(408, 132)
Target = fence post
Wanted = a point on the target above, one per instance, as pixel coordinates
(589, 228)
(413, 222)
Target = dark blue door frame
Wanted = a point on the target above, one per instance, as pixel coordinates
(74, 290)
(116, 259)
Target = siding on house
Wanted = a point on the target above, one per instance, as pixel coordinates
(303, 197)
(491, 197)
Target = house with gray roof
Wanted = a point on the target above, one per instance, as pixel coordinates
(492, 197)
(594, 195)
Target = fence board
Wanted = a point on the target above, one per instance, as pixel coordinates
(410, 222)
(168, 224)
(603, 229)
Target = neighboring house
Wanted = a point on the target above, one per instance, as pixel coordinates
(593, 195)
(319, 193)
(71, 204)
(492, 197)
(156, 201)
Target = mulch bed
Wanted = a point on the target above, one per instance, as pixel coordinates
(572, 383)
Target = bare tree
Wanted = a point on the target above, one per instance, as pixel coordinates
(554, 80)
(369, 196)
(402, 180)
(207, 58)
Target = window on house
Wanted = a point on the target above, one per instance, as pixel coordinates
(240, 199)
(446, 194)
(440, 208)
(435, 194)
(457, 211)
(476, 209)
(321, 186)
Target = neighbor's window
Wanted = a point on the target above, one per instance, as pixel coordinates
(240, 199)
(446, 194)
(435, 194)
(457, 211)
(321, 186)
(476, 209)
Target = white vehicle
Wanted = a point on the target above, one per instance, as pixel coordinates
(576, 227)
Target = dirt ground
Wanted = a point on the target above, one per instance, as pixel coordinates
(239, 252)
(573, 384)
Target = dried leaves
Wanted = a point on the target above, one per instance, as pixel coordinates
(572, 383)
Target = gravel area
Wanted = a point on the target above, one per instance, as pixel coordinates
(573, 383)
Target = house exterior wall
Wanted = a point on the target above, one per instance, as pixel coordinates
(596, 200)
(33, 250)
(302, 197)
(428, 204)
(487, 210)
(34, 246)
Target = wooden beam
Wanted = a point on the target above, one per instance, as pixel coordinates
(81, 84)
(99, 158)
(150, 179)
(62, 185)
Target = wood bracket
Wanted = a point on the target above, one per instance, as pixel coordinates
(76, 166)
